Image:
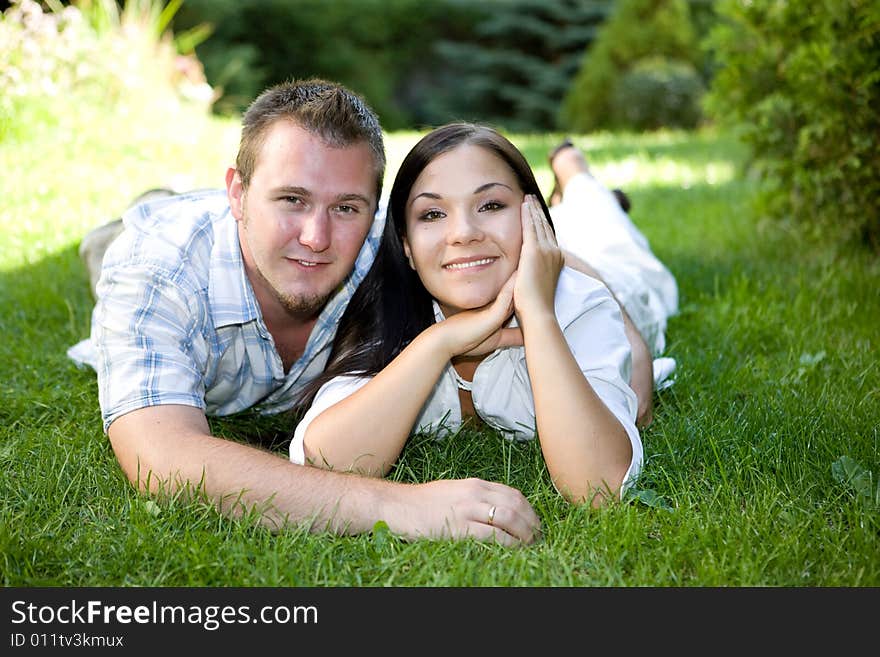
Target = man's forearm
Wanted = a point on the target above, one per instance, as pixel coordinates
(169, 449)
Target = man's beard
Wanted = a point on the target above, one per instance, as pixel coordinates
(301, 306)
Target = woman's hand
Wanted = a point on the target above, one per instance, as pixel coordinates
(540, 262)
(481, 331)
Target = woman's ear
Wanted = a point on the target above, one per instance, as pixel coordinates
(408, 252)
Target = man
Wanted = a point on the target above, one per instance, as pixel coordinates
(213, 303)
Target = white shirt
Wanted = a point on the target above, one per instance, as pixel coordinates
(501, 391)
(590, 223)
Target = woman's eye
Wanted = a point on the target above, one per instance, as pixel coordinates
(431, 215)
(491, 205)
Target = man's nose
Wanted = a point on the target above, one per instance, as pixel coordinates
(463, 227)
(315, 230)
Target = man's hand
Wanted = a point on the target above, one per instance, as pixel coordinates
(465, 508)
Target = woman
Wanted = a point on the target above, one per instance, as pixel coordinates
(468, 311)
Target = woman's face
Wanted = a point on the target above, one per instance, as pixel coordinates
(464, 227)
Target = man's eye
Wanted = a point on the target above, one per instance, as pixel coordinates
(292, 200)
(347, 209)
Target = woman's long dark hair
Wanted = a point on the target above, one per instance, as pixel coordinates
(391, 306)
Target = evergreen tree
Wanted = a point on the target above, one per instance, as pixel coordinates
(515, 69)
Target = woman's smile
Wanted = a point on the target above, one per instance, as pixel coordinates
(464, 227)
(470, 264)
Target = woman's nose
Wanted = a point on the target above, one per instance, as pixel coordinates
(463, 227)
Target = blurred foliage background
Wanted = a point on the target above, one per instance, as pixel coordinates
(798, 81)
(426, 62)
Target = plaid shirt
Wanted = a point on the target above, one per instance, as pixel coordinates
(177, 321)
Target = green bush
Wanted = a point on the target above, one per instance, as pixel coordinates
(657, 93)
(57, 64)
(636, 29)
(800, 80)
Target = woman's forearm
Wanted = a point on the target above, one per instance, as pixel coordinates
(366, 432)
(586, 448)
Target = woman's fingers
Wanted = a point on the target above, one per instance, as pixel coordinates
(530, 235)
(500, 310)
(504, 300)
(543, 231)
(498, 313)
(481, 330)
(540, 259)
(537, 233)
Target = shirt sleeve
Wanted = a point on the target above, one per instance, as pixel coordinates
(330, 393)
(148, 346)
(593, 327)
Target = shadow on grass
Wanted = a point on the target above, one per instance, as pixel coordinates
(45, 309)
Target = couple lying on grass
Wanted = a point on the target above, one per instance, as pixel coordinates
(266, 295)
(470, 312)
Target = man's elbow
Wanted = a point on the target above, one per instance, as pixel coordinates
(156, 445)
(135, 465)
(138, 460)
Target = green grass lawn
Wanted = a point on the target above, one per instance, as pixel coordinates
(761, 465)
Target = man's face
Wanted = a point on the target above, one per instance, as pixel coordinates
(303, 218)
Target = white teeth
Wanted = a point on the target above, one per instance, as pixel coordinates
(465, 265)
(306, 263)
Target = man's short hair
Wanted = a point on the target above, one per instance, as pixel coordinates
(337, 115)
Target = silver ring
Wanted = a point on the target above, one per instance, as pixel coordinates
(492, 514)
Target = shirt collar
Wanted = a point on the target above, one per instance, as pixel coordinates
(230, 293)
